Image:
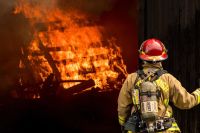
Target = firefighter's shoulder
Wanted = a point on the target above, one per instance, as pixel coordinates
(132, 77)
(170, 79)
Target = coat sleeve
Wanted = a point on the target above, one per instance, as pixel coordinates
(125, 100)
(179, 95)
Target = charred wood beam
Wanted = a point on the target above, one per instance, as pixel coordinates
(50, 60)
(57, 25)
(53, 82)
(28, 67)
(41, 53)
(80, 87)
(63, 81)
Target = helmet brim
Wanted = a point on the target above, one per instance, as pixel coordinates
(145, 57)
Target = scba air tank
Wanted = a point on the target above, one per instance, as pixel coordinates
(149, 101)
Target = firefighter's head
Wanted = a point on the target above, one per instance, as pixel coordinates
(153, 50)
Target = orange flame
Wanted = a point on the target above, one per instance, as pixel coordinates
(77, 46)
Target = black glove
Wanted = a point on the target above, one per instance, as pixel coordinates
(123, 130)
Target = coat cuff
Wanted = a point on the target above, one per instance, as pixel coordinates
(197, 94)
(121, 120)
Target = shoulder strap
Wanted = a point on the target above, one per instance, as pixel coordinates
(158, 73)
(139, 74)
(143, 76)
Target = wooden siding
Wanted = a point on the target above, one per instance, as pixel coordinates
(177, 24)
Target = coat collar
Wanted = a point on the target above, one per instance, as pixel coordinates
(150, 67)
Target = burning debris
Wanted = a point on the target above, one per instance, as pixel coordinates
(70, 46)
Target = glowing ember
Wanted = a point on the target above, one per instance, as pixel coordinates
(70, 46)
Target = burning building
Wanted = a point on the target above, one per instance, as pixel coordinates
(68, 47)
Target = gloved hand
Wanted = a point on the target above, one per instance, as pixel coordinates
(123, 130)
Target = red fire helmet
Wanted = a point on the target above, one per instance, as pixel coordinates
(153, 50)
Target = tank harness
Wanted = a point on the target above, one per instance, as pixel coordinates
(139, 119)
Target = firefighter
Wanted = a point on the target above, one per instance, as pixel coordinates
(143, 102)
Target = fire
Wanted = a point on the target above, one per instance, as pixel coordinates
(70, 46)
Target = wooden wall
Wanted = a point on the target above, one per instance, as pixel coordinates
(177, 24)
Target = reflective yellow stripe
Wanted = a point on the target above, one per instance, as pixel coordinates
(197, 94)
(163, 85)
(198, 97)
(165, 90)
(138, 106)
(168, 114)
(138, 83)
(174, 127)
(166, 102)
(121, 120)
(135, 97)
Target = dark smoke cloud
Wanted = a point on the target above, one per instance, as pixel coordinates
(94, 7)
(6, 6)
(14, 32)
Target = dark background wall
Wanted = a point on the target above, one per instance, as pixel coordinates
(177, 24)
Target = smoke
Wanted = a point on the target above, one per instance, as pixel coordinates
(6, 6)
(14, 32)
(93, 7)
